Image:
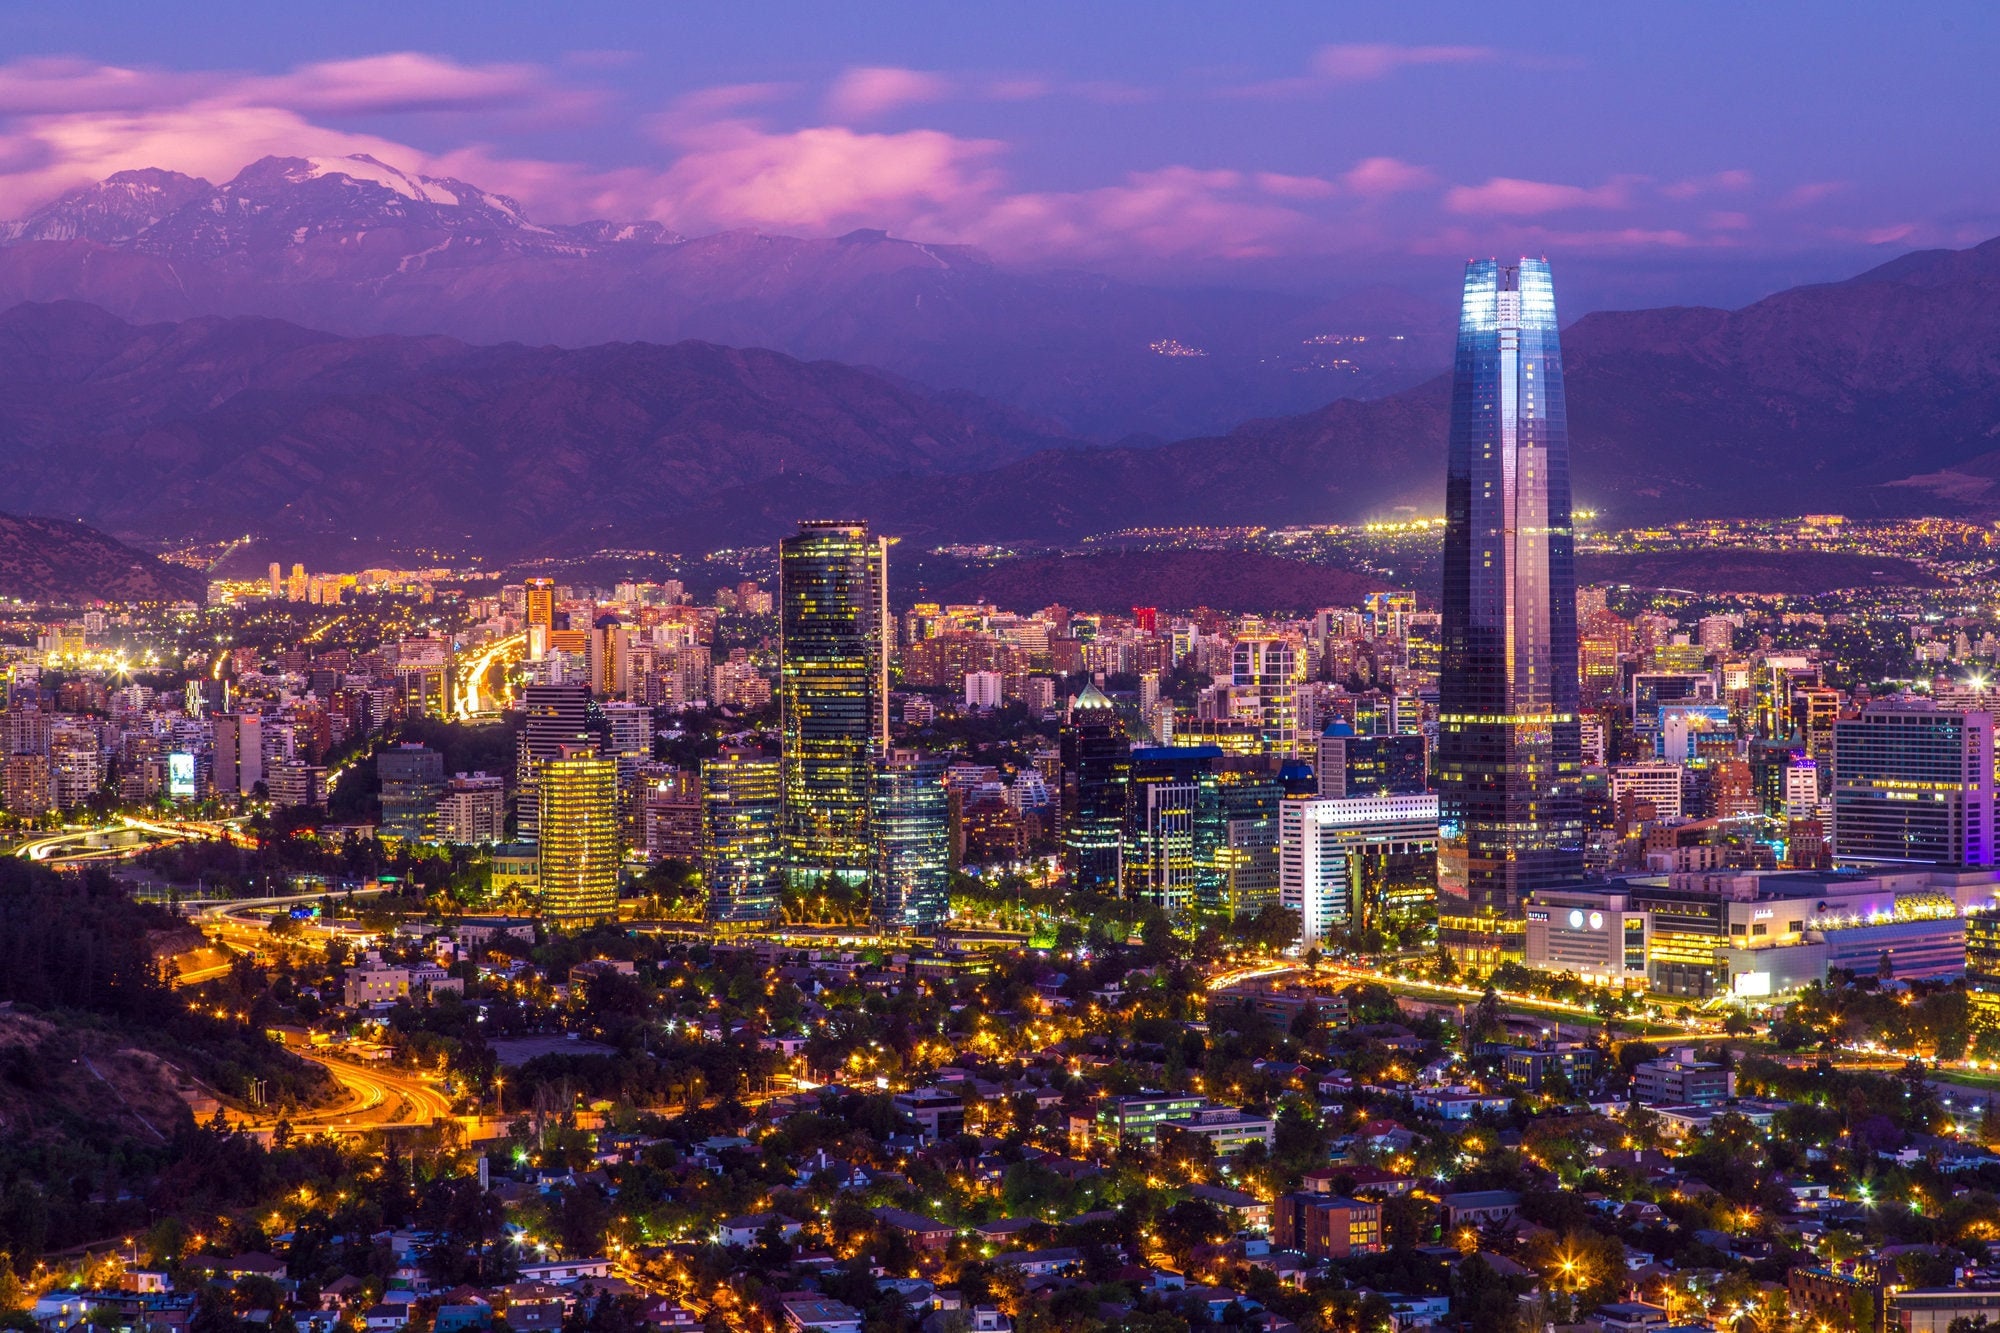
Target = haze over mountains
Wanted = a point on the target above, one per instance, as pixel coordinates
(215, 427)
(1877, 394)
(1880, 394)
(355, 246)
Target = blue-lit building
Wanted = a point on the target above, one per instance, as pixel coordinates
(1509, 754)
(1173, 826)
(910, 818)
(1374, 765)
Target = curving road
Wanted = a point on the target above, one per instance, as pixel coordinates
(377, 1098)
(472, 672)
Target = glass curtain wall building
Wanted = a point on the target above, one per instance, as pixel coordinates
(1508, 758)
(833, 696)
(911, 885)
(742, 862)
(1098, 758)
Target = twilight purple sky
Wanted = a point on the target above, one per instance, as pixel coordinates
(1665, 153)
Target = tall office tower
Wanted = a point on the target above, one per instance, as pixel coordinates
(1378, 765)
(412, 778)
(538, 598)
(1367, 861)
(910, 827)
(604, 656)
(833, 696)
(1508, 766)
(628, 738)
(580, 847)
(1246, 855)
(296, 585)
(1173, 825)
(239, 753)
(1098, 759)
(742, 850)
(557, 716)
(277, 579)
(1265, 670)
(1913, 782)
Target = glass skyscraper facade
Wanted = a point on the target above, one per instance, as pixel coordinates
(1098, 758)
(742, 863)
(1509, 752)
(911, 885)
(833, 691)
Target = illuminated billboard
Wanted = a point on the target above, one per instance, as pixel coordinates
(180, 776)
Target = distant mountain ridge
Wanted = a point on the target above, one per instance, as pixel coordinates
(359, 247)
(221, 426)
(1879, 395)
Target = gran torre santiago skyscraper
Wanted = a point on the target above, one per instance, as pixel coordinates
(1509, 755)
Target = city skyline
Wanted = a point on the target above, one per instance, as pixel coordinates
(913, 671)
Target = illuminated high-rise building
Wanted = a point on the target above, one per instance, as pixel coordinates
(1914, 782)
(1508, 756)
(580, 846)
(538, 615)
(539, 597)
(558, 716)
(1097, 757)
(1384, 764)
(1173, 826)
(1246, 854)
(412, 781)
(1265, 670)
(910, 885)
(742, 851)
(833, 696)
(1360, 862)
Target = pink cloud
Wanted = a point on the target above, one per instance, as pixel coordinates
(54, 84)
(1694, 187)
(1803, 196)
(1357, 61)
(733, 173)
(1379, 177)
(864, 93)
(1295, 187)
(1506, 195)
(397, 82)
(210, 140)
(1363, 62)
(1172, 213)
(1897, 231)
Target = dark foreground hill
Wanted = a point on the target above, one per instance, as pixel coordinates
(59, 561)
